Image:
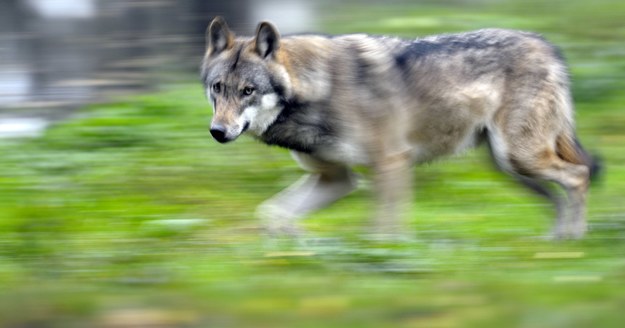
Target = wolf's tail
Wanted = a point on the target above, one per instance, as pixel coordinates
(570, 150)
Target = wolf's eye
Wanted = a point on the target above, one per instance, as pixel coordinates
(248, 91)
(217, 87)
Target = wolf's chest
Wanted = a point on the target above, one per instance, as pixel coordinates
(301, 128)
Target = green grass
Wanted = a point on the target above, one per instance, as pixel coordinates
(132, 214)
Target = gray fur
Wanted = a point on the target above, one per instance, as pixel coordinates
(390, 103)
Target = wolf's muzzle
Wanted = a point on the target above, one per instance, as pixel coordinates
(219, 133)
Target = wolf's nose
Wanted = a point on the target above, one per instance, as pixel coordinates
(219, 133)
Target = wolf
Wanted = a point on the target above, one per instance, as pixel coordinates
(388, 103)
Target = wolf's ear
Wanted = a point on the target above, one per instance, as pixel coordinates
(267, 39)
(218, 36)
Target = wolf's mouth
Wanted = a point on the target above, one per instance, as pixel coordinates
(245, 127)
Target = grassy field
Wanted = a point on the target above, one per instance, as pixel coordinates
(131, 216)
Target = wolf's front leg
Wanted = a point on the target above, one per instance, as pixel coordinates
(326, 183)
(392, 186)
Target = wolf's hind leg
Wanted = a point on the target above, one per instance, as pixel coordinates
(560, 226)
(538, 186)
(326, 183)
(536, 166)
(574, 179)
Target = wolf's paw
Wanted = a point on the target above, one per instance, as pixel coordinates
(573, 231)
(578, 230)
(277, 221)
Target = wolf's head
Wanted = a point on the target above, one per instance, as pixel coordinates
(243, 79)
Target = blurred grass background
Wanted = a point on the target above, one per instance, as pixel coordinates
(130, 215)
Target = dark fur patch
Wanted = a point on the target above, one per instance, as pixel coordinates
(519, 167)
(417, 50)
(573, 152)
(362, 67)
(237, 57)
(296, 129)
(448, 45)
(278, 88)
